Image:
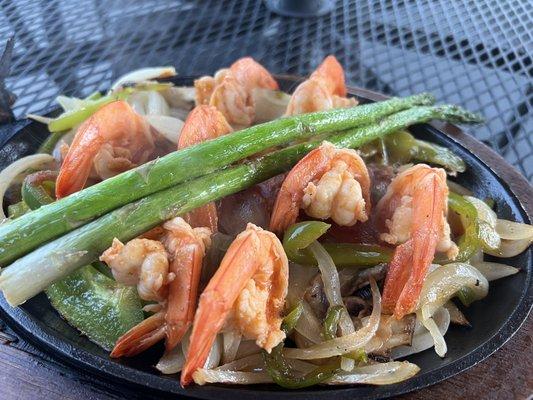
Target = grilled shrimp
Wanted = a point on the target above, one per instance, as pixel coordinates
(247, 292)
(203, 123)
(141, 262)
(327, 183)
(113, 139)
(414, 212)
(167, 271)
(230, 90)
(324, 90)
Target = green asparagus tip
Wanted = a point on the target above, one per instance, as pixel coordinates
(453, 113)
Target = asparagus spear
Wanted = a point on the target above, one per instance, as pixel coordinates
(37, 227)
(34, 272)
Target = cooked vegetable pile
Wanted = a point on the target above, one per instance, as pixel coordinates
(298, 239)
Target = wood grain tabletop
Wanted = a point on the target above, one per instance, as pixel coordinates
(28, 374)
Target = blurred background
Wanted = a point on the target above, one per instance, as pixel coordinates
(474, 53)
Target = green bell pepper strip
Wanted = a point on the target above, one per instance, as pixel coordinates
(291, 319)
(298, 236)
(357, 255)
(402, 147)
(331, 321)
(88, 299)
(37, 188)
(285, 376)
(469, 242)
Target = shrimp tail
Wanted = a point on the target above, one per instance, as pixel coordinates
(411, 260)
(332, 73)
(397, 276)
(140, 337)
(203, 123)
(254, 263)
(77, 164)
(252, 74)
(183, 290)
(289, 198)
(218, 297)
(313, 167)
(116, 124)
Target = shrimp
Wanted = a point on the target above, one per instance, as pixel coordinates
(167, 271)
(247, 291)
(203, 123)
(231, 89)
(141, 262)
(325, 89)
(414, 211)
(115, 132)
(327, 183)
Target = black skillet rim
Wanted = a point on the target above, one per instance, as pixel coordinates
(512, 180)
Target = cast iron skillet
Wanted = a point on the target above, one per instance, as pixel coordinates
(494, 320)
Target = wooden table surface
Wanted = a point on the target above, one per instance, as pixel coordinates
(26, 373)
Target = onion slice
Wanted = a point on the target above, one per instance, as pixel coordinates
(493, 271)
(510, 248)
(515, 238)
(332, 286)
(172, 362)
(444, 282)
(143, 74)
(308, 324)
(299, 278)
(269, 104)
(182, 97)
(169, 127)
(347, 343)
(231, 341)
(247, 348)
(202, 376)
(438, 338)
(377, 374)
(252, 362)
(156, 104)
(213, 359)
(510, 230)
(14, 170)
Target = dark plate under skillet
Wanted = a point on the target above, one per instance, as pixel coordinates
(494, 320)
